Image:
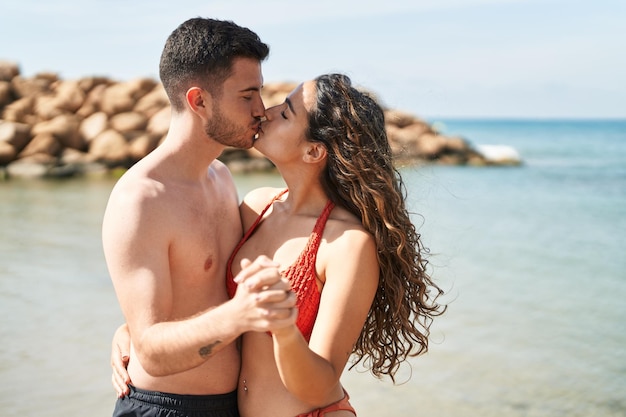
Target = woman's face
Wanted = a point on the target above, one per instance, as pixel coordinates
(282, 135)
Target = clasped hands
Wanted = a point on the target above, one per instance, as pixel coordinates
(266, 300)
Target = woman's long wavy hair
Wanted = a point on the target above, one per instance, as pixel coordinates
(360, 176)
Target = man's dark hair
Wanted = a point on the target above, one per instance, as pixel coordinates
(201, 52)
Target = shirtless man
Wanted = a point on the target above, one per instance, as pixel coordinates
(172, 221)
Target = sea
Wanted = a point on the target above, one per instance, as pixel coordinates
(532, 259)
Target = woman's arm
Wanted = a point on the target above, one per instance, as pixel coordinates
(311, 372)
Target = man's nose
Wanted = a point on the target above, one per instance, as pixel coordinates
(259, 109)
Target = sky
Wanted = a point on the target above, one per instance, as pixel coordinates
(433, 58)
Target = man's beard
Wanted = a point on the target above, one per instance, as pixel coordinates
(224, 131)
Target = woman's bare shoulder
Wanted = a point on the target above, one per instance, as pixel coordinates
(259, 198)
(254, 202)
(345, 235)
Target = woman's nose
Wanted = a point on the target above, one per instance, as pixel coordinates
(269, 113)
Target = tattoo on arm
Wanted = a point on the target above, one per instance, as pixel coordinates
(207, 350)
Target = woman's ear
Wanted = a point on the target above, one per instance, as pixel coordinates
(316, 152)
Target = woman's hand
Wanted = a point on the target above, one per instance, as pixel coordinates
(120, 355)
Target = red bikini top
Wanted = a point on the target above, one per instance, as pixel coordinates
(301, 274)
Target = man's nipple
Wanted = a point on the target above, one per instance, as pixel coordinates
(208, 263)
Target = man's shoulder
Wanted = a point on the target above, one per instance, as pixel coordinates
(135, 193)
(219, 169)
(135, 183)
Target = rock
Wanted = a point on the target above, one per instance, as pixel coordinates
(32, 87)
(6, 94)
(46, 107)
(21, 169)
(275, 93)
(128, 121)
(456, 144)
(151, 103)
(429, 145)
(34, 166)
(65, 97)
(19, 110)
(65, 128)
(75, 157)
(400, 118)
(42, 143)
(93, 125)
(116, 98)
(16, 134)
(142, 145)
(60, 127)
(159, 123)
(111, 148)
(93, 101)
(121, 97)
(87, 84)
(8, 70)
(139, 87)
(7, 153)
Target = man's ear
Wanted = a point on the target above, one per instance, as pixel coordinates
(198, 100)
(316, 152)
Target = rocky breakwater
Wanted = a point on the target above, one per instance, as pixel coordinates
(50, 127)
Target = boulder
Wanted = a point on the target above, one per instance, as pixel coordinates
(27, 169)
(111, 148)
(93, 125)
(65, 128)
(7, 153)
(116, 98)
(93, 101)
(6, 94)
(128, 121)
(152, 102)
(20, 110)
(142, 145)
(400, 118)
(16, 134)
(8, 70)
(159, 123)
(31, 87)
(42, 143)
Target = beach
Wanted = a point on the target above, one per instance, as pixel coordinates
(531, 258)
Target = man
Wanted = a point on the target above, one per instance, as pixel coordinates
(172, 221)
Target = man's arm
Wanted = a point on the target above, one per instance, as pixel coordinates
(274, 310)
(262, 304)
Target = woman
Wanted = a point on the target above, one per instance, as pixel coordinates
(343, 237)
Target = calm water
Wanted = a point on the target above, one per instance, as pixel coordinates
(533, 258)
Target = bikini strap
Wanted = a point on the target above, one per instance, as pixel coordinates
(260, 217)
